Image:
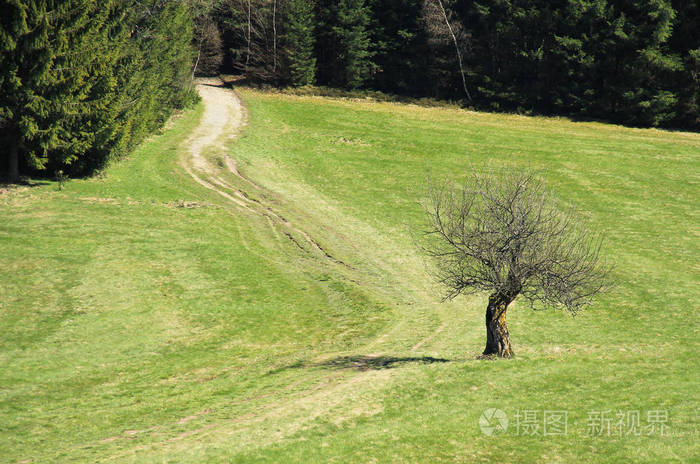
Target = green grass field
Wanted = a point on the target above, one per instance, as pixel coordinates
(145, 319)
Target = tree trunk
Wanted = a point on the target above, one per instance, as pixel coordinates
(457, 49)
(247, 55)
(13, 166)
(497, 337)
(274, 38)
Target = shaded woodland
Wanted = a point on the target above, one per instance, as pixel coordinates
(631, 62)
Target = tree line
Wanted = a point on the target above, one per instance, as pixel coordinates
(634, 62)
(84, 81)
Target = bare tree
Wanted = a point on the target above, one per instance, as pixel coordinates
(253, 26)
(442, 27)
(248, 38)
(207, 39)
(502, 233)
(274, 36)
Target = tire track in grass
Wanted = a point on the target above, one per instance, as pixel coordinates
(430, 337)
(223, 117)
(221, 103)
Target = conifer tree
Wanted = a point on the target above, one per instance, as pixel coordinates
(299, 60)
(81, 81)
(13, 24)
(353, 38)
(399, 47)
(53, 80)
(343, 43)
(685, 43)
(634, 71)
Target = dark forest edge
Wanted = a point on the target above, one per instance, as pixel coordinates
(635, 63)
(83, 82)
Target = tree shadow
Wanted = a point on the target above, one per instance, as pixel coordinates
(209, 84)
(366, 363)
(7, 185)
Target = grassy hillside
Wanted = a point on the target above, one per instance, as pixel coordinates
(146, 319)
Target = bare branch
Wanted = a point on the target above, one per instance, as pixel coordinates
(502, 232)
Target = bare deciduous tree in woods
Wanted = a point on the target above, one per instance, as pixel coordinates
(274, 36)
(502, 233)
(443, 28)
(253, 25)
(207, 40)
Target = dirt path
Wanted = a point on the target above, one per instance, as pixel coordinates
(224, 116)
(222, 119)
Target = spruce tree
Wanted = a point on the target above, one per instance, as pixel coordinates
(633, 71)
(82, 80)
(299, 60)
(353, 38)
(52, 81)
(343, 43)
(13, 24)
(399, 47)
(685, 43)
